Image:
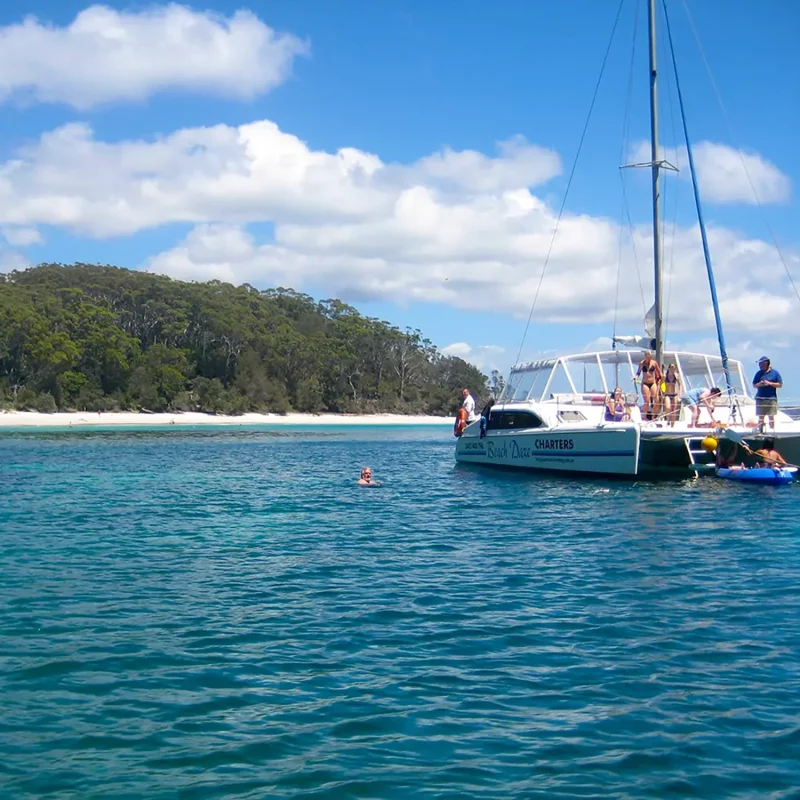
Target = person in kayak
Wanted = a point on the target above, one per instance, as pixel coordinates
(772, 458)
(695, 398)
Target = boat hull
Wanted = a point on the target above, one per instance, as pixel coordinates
(613, 450)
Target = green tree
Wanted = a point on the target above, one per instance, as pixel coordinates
(96, 337)
(159, 375)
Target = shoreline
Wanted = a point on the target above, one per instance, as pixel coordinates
(84, 419)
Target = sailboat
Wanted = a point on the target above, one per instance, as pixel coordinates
(552, 413)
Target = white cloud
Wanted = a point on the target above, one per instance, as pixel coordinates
(21, 237)
(105, 55)
(235, 175)
(459, 349)
(520, 164)
(12, 260)
(485, 357)
(459, 229)
(725, 174)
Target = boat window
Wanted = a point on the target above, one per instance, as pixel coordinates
(560, 382)
(524, 384)
(571, 416)
(619, 374)
(588, 378)
(513, 420)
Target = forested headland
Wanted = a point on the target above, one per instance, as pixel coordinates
(100, 338)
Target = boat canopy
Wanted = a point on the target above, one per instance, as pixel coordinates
(602, 372)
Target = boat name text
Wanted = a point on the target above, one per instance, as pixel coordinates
(515, 451)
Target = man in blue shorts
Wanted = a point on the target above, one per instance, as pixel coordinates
(694, 398)
(766, 382)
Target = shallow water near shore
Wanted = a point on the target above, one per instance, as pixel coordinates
(223, 613)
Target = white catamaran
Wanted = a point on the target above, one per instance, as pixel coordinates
(552, 416)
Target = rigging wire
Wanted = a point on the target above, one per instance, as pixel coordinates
(623, 153)
(706, 254)
(735, 138)
(633, 244)
(571, 176)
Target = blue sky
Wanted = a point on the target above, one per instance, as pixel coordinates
(422, 220)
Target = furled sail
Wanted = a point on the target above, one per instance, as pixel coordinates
(646, 342)
(650, 322)
(635, 341)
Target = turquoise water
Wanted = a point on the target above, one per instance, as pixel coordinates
(222, 613)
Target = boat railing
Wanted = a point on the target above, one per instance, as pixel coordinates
(598, 398)
(582, 398)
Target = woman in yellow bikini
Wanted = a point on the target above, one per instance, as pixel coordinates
(672, 392)
(651, 377)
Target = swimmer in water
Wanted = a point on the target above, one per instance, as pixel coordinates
(366, 477)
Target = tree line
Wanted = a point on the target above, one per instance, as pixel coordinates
(100, 338)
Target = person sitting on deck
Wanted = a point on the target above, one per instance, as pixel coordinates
(694, 398)
(616, 407)
(772, 458)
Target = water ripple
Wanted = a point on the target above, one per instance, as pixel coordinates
(207, 614)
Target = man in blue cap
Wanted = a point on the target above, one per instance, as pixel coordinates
(766, 382)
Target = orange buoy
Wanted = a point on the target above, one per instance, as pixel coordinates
(461, 422)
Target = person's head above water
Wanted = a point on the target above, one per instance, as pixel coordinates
(366, 478)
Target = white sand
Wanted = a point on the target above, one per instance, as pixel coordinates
(18, 419)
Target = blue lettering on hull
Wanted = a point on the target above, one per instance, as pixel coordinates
(539, 450)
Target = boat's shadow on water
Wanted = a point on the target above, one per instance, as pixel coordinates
(516, 475)
(710, 484)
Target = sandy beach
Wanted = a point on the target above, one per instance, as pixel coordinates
(35, 419)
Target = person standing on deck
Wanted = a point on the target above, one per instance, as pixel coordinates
(672, 394)
(651, 378)
(468, 405)
(766, 382)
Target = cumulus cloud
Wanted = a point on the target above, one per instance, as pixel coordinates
(105, 55)
(520, 164)
(486, 357)
(239, 174)
(726, 175)
(21, 237)
(462, 229)
(11, 260)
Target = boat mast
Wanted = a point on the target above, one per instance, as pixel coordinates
(655, 165)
